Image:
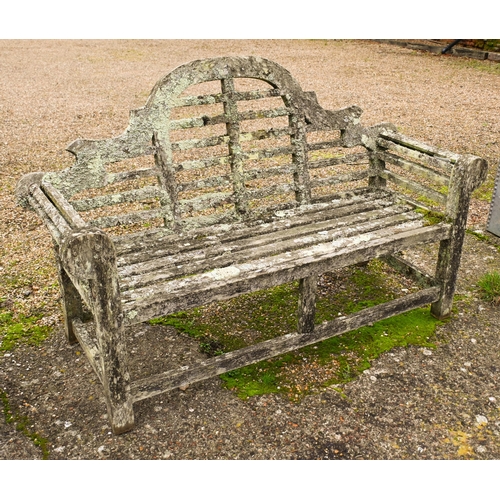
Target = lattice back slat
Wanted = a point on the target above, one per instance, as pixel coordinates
(215, 143)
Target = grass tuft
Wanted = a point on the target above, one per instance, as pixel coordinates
(489, 284)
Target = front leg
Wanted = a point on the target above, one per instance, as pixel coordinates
(90, 256)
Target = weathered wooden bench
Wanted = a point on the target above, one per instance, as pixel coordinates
(233, 179)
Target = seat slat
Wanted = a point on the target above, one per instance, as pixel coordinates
(130, 248)
(221, 284)
(183, 250)
(285, 241)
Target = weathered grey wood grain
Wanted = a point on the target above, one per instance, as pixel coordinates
(127, 218)
(50, 210)
(414, 186)
(290, 226)
(72, 303)
(90, 259)
(171, 267)
(141, 194)
(348, 159)
(52, 228)
(415, 168)
(468, 173)
(342, 178)
(428, 149)
(219, 98)
(162, 241)
(224, 231)
(85, 333)
(307, 304)
(64, 207)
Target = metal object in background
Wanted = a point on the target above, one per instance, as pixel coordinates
(494, 217)
(450, 46)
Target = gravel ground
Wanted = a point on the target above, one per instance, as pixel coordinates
(413, 403)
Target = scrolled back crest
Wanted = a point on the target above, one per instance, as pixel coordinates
(92, 155)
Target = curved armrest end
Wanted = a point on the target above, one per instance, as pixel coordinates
(24, 187)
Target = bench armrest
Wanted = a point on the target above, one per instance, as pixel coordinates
(50, 205)
(451, 177)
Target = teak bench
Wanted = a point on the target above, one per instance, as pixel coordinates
(233, 179)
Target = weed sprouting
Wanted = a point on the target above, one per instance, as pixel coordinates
(489, 284)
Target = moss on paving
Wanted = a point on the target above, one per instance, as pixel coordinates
(252, 318)
(23, 425)
(18, 329)
(14, 330)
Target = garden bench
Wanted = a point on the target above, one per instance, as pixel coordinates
(230, 180)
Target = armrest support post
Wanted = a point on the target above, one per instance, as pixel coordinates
(467, 174)
(89, 257)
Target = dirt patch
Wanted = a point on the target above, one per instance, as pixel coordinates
(412, 403)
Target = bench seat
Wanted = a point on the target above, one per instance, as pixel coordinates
(176, 273)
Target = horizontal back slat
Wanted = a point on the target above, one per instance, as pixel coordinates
(260, 154)
(219, 98)
(440, 180)
(340, 179)
(414, 186)
(256, 173)
(204, 121)
(258, 194)
(340, 160)
(121, 197)
(203, 202)
(209, 182)
(213, 161)
(112, 178)
(324, 145)
(427, 159)
(224, 139)
(127, 219)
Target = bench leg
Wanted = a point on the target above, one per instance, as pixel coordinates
(92, 255)
(110, 335)
(307, 304)
(467, 175)
(72, 305)
(446, 273)
(115, 375)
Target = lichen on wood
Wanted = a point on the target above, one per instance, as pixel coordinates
(240, 213)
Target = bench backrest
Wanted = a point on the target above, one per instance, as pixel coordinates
(218, 140)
